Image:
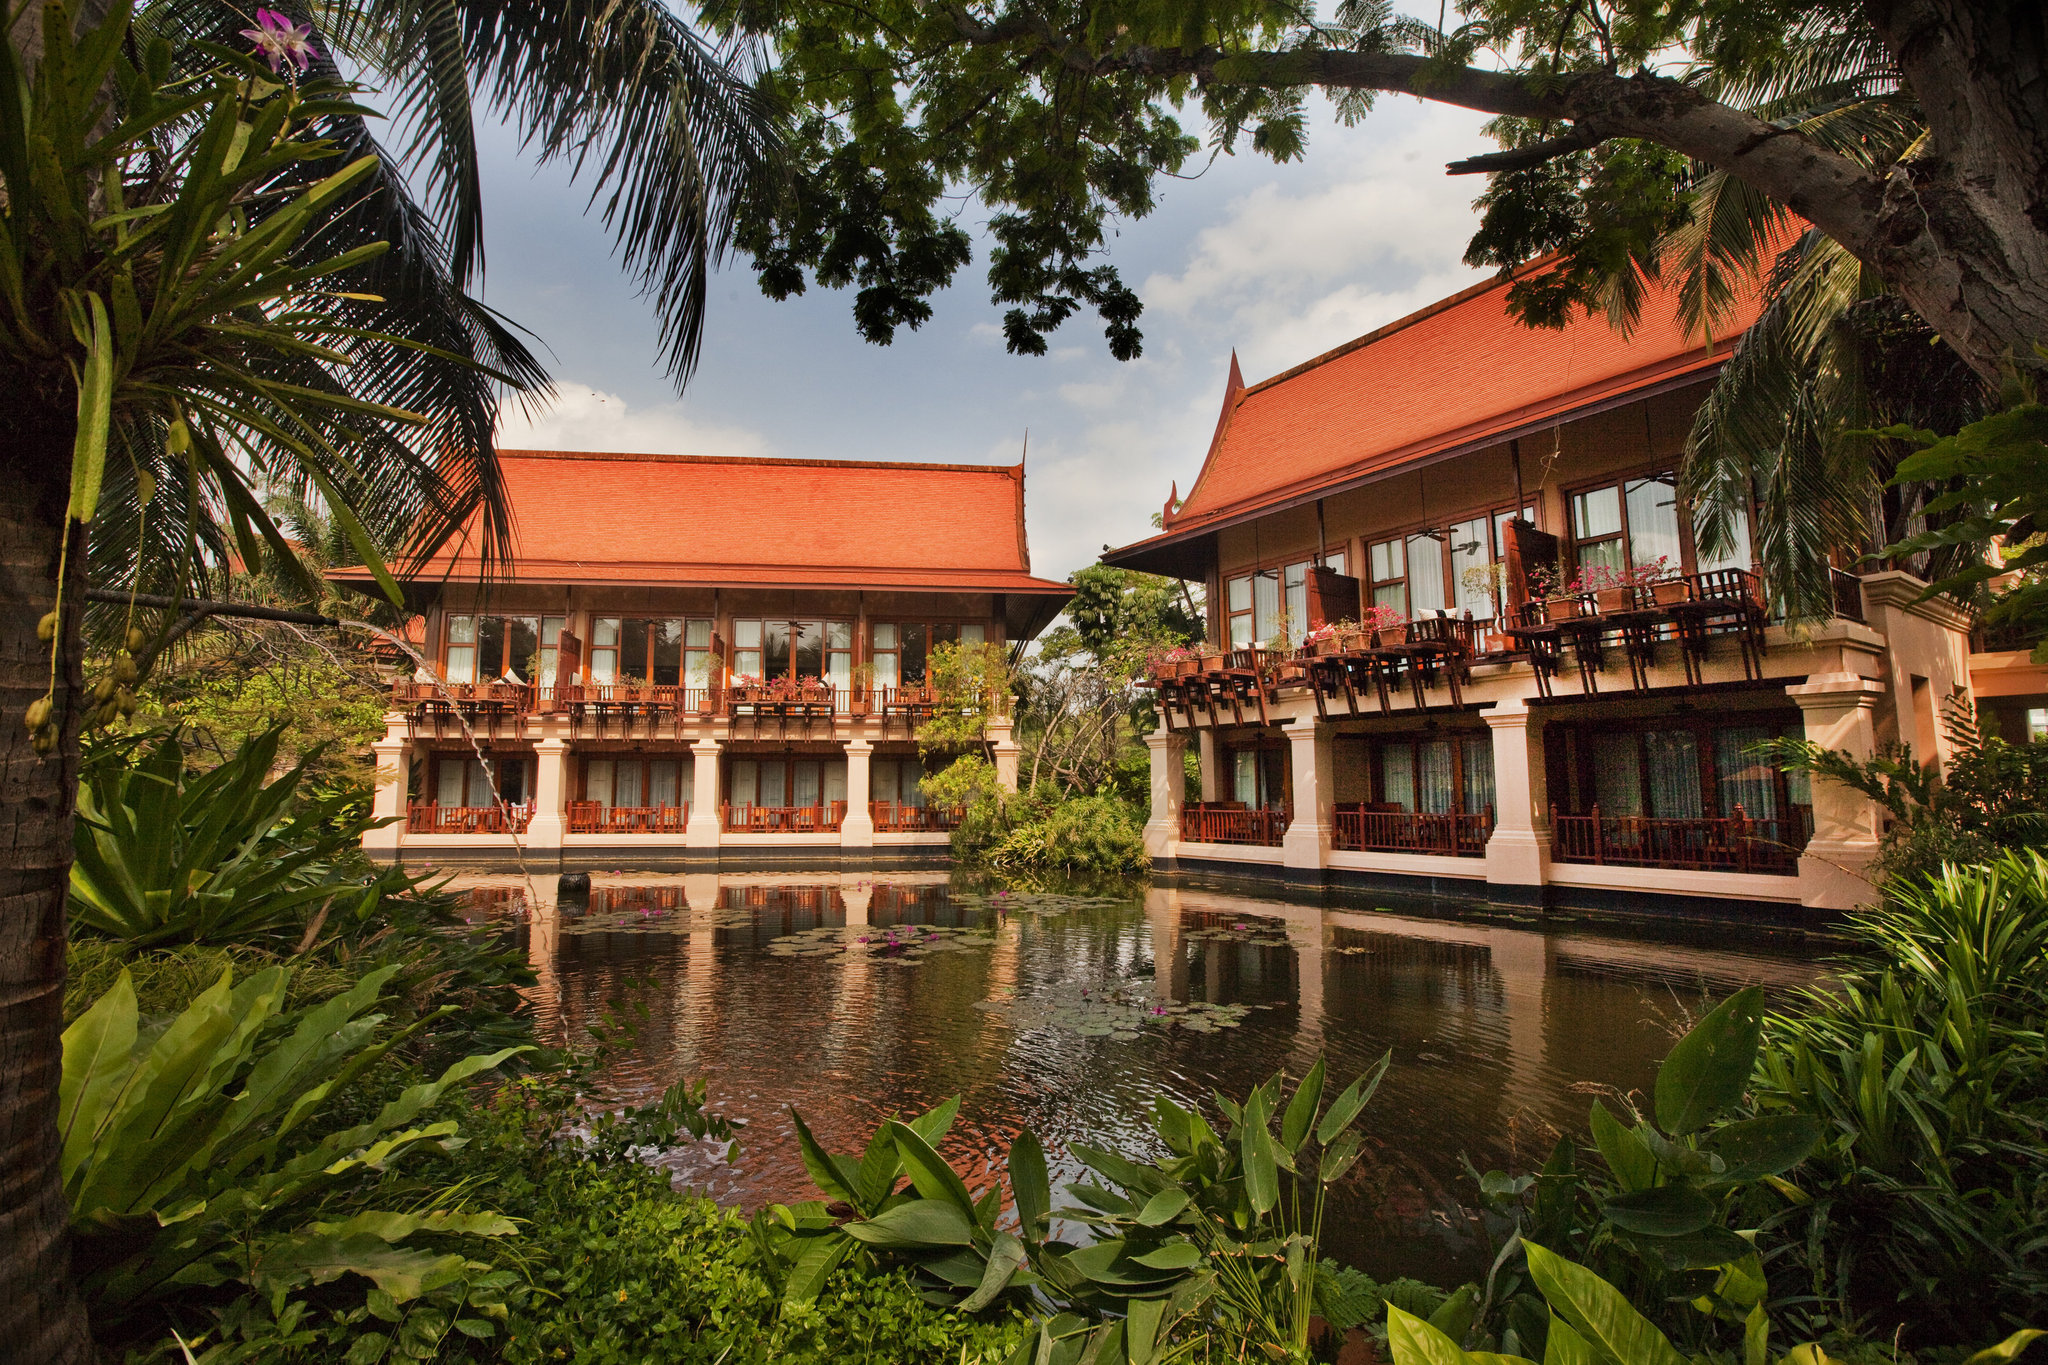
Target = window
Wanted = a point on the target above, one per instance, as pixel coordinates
(1435, 775)
(902, 649)
(640, 649)
(2037, 723)
(896, 779)
(1675, 769)
(793, 649)
(461, 780)
(1636, 522)
(1443, 569)
(1267, 604)
(1258, 777)
(781, 782)
(491, 648)
(638, 782)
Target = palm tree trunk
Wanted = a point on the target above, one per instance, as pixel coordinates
(42, 1317)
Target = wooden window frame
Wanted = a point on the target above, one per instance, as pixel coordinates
(788, 762)
(1437, 530)
(1413, 740)
(876, 652)
(593, 648)
(544, 647)
(1619, 481)
(475, 800)
(685, 772)
(1338, 558)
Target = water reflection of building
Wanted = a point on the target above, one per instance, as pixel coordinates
(665, 672)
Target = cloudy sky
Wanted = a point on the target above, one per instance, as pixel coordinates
(1280, 262)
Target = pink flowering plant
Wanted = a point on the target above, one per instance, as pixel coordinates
(1602, 577)
(1383, 617)
(281, 42)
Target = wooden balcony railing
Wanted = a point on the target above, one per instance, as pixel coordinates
(594, 817)
(432, 819)
(894, 817)
(1734, 843)
(1452, 833)
(783, 819)
(1231, 822)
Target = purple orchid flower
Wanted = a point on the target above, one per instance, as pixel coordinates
(280, 40)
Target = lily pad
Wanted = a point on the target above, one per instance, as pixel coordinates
(1121, 1012)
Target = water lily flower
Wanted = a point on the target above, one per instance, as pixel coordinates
(280, 40)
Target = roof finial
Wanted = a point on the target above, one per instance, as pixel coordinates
(1172, 502)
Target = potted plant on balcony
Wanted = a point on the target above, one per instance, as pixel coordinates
(1613, 590)
(1667, 587)
(1389, 627)
(1321, 642)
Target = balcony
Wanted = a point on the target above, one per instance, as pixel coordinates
(432, 819)
(1231, 822)
(1381, 828)
(1736, 843)
(782, 819)
(488, 710)
(594, 817)
(893, 817)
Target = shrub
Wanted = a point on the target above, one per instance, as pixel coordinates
(1044, 832)
(1924, 1206)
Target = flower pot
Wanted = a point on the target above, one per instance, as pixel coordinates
(1326, 647)
(1613, 600)
(1668, 591)
(1389, 636)
(1557, 609)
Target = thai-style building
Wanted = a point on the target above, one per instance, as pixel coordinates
(689, 660)
(1466, 640)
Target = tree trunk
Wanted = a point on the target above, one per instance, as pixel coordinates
(1963, 227)
(42, 1317)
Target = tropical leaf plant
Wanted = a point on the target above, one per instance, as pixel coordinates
(167, 854)
(200, 1150)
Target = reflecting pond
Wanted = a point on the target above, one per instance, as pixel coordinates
(850, 998)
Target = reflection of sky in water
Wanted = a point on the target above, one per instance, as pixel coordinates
(1500, 1027)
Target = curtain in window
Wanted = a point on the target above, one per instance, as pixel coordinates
(449, 781)
(662, 786)
(1273, 771)
(1425, 575)
(1266, 597)
(1433, 777)
(746, 783)
(1617, 774)
(626, 783)
(835, 781)
(461, 649)
(1746, 781)
(1297, 601)
(597, 781)
(1674, 767)
(1244, 776)
(809, 787)
(1479, 791)
(1653, 521)
(1397, 775)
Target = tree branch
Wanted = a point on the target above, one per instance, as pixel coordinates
(1522, 158)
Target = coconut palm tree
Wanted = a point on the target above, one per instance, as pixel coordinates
(214, 291)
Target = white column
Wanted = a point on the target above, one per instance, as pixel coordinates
(1840, 714)
(857, 830)
(703, 829)
(1518, 854)
(1307, 842)
(550, 789)
(1213, 776)
(1169, 953)
(1006, 752)
(1169, 767)
(388, 800)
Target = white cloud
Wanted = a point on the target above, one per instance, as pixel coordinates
(585, 418)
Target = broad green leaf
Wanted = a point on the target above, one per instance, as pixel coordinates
(1629, 1159)
(1751, 1149)
(1563, 1346)
(1706, 1071)
(1415, 1342)
(1756, 1337)
(1255, 1145)
(2007, 1349)
(1302, 1109)
(1666, 1211)
(1453, 1317)
(832, 1174)
(1163, 1207)
(814, 1265)
(934, 1125)
(1339, 1157)
(1030, 1186)
(920, 1223)
(1172, 1256)
(95, 415)
(1005, 1258)
(1348, 1105)
(1141, 1329)
(97, 1056)
(1597, 1311)
(1708, 1248)
(929, 1172)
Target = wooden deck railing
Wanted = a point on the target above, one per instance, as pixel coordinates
(594, 817)
(783, 819)
(1229, 822)
(1451, 833)
(1735, 843)
(432, 819)
(893, 817)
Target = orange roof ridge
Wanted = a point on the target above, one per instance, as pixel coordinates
(1015, 471)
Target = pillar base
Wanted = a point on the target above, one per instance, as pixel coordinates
(1518, 857)
(1835, 874)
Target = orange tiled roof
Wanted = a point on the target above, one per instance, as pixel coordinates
(1459, 374)
(657, 519)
